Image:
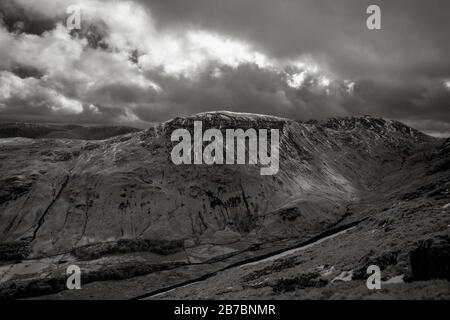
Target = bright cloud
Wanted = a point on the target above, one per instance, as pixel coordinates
(296, 80)
(190, 53)
(447, 84)
(33, 92)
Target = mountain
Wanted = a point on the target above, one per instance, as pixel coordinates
(121, 202)
(53, 131)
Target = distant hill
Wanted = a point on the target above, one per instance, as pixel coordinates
(53, 131)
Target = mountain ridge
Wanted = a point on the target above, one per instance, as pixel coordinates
(76, 198)
(302, 148)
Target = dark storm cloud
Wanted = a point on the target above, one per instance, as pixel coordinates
(246, 88)
(414, 35)
(399, 71)
(397, 98)
(18, 20)
(150, 60)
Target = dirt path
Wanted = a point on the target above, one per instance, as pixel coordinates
(329, 234)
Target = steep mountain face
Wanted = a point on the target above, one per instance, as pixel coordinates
(59, 195)
(401, 225)
(35, 131)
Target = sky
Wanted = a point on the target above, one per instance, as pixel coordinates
(144, 61)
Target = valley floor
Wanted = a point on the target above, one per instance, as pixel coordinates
(332, 266)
